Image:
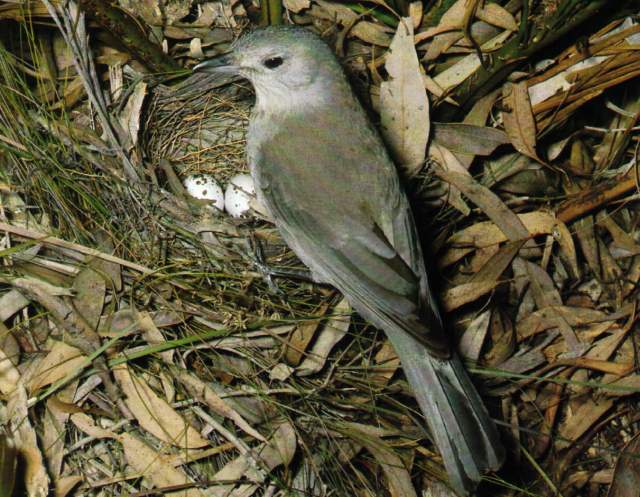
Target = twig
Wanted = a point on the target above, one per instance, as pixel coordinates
(595, 197)
(127, 31)
(71, 23)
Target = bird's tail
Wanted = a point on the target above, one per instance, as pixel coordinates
(460, 425)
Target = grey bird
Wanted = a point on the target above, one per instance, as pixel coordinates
(322, 171)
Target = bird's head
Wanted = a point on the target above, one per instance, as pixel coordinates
(285, 63)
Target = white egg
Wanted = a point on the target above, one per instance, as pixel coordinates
(239, 195)
(205, 187)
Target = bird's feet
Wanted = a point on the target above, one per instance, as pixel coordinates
(268, 272)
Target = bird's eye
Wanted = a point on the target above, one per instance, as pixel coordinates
(273, 62)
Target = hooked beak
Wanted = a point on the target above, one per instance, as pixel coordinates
(219, 64)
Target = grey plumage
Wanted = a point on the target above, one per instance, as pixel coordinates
(325, 176)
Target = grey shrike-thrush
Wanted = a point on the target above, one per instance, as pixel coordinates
(322, 171)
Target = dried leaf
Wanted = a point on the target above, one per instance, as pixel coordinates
(371, 32)
(626, 475)
(518, 119)
(485, 234)
(489, 202)
(131, 114)
(578, 422)
(386, 362)
(335, 12)
(62, 360)
(450, 162)
(86, 424)
(451, 20)
(279, 451)
(34, 474)
(474, 336)
(394, 469)
(9, 374)
(495, 14)
(10, 303)
(404, 106)
(297, 6)
(155, 414)
(546, 318)
(301, 337)
(460, 71)
(155, 466)
(205, 394)
(65, 484)
(416, 13)
(468, 139)
(152, 335)
(332, 332)
(90, 288)
(8, 465)
(483, 281)
(53, 436)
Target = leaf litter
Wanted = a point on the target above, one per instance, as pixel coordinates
(143, 348)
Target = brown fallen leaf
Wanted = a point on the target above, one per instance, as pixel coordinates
(9, 374)
(447, 159)
(297, 6)
(156, 466)
(474, 336)
(404, 105)
(485, 234)
(398, 476)
(495, 14)
(463, 138)
(371, 32)
(10, 303)
(386, 362)
(278, 451)
(598, 365)
(484, 280)
(330, 334)
(580, 420)
(546, 318)
(205, 394)
(130, 116)
(35, 479)
(8, 465)
(62, 360)
(66, 484)
(90, 290)
(154, 414)
(519, 122)
(489, 202)
(301, 337)
(451, 20)
(626, 475)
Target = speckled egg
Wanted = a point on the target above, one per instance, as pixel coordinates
(205, 187)
(238, 195)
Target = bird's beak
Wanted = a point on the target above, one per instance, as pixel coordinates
(219, 64)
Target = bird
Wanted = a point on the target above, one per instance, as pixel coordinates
(322, 171)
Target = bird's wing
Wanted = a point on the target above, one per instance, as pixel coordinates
(331, 200)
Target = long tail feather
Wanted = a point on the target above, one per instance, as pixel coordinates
(463, 431)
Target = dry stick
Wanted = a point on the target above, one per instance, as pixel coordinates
(70, 22)
(58, 242)
(513, 54)
(595, 197)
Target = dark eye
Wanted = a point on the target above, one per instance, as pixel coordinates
(273, 62)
